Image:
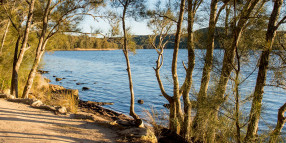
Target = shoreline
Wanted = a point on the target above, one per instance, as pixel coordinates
(79, 49)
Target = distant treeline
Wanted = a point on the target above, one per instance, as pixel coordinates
(70, 42)
(252, 40)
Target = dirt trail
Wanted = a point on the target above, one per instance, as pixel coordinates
(21, 123)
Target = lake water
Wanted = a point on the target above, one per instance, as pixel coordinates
(104, 72)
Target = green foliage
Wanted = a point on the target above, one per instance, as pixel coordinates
(70, 42)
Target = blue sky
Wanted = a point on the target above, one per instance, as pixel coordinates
(137, 28)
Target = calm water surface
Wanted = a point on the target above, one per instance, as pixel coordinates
(104, 72)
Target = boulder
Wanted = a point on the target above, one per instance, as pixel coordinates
(58, 79)
(85, 88)
(37, 103)
(168, 136)
(62, 110)
(141, 133)
(140, 101)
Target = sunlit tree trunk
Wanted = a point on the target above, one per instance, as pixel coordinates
(176, 105)
(4, 36)
(39, 52)
(262, 72)
(200, 120)
(125, 51)
(16, 67)
(280, 123)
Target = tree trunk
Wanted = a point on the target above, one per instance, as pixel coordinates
(125, 51)
(23, 49)
(33, 71)
(200, 128)
(186, 127)
(176, 88)
(280, 123)
(14, 87)
(262, 72)
(39, 52)
(227, 68)
(4, 37)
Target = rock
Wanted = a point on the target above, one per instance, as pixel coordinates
(24, 101)
(62, 110)
(100, 103)
(54, 76)
(37, 103)
(141, 133)
(85, 88)
(7, 96)
(47, 80)
(139, 123)
(140, 101)
(80, 83)
(55, 88)
(82, 116)
(43, 72)
(167, 106)
(168, 136)
(58, 79)
(95, 83)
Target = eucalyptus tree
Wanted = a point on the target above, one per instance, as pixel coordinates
(211, 105)
(179, 121)
(23, 28)
(255, 112)
(130, 8)
(54, 17)
(200, 126)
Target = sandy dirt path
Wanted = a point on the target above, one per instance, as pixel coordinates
(21, 123)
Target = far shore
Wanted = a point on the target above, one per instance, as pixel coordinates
(80, 49)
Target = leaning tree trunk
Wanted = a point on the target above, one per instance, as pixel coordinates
(4, 37)
(125, 51)
(33, 71)
(280, 123)
(39, 52)
(262, 72)
(16, 67)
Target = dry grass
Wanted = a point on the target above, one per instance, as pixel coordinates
(157, 119)
(42, 91)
